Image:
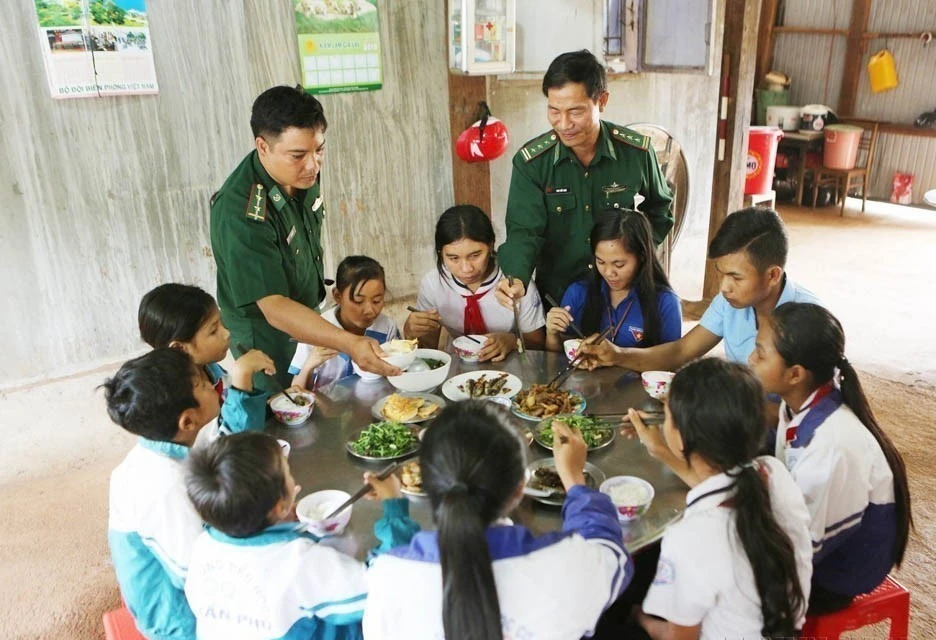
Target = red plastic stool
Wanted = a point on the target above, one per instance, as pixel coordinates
(889, 600)
(119, 625)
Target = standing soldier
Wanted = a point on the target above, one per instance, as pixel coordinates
(565, 176)
(266, 230)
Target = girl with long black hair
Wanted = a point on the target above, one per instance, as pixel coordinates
(459, 294)
(626, 289)
(738, 563)
(853, 477)
(492, 578)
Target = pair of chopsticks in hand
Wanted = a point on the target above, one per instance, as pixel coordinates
(563, 375)
(413, 309)
(572, 325)
(363, 491)
(276, 383)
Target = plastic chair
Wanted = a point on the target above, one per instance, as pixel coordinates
(845, 179)
(889, 600)
(119, 625)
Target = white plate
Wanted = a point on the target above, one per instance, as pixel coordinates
(451, 391)
(377, 408)
(597, 477)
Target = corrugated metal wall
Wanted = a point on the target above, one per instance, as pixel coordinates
(806, 59)
(105, 198)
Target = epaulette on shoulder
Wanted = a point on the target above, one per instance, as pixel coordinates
(539, 145)
(256, 203)
(629, 136)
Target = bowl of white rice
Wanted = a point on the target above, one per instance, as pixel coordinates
(631, 496)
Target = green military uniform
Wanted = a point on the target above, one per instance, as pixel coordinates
(265, 243)
(553, 200)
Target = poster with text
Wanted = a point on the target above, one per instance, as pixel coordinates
(95, 48)
(339, 45)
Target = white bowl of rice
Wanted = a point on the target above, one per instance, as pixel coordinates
(631, 496)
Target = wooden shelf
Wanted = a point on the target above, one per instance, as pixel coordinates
(907, 130)
(811, 31)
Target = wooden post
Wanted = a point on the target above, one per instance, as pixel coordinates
(854, 56)
(739, 52)
(471, 180)
(765, 38)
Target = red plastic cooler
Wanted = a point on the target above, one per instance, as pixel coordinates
(761, 157)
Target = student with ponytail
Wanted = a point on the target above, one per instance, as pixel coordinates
(852, 476)
(738, 564)
(492, 578)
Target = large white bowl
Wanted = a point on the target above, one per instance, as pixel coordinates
(366, 376)
(313, 508)
(424, 380)
(290, 414)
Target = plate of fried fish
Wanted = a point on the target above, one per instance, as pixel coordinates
(481, 384)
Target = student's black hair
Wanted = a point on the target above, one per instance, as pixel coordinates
(173, 311)
(235, 482)
(758, 231)
(633, 231)
(148, 394)
(354, 271)
(472, 463)
(460, 222)
(581, 67)
(718, 409)
(282, 107)
(808, 335)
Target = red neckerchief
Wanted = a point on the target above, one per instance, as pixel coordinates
(821, 393)
(474, 321)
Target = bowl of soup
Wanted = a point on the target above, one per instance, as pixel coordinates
(429, 369)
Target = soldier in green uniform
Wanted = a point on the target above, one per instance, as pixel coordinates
(266, 229)
(564, 177)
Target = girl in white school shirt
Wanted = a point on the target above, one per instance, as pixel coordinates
(739, 562)
(459, 293)
(481, 577)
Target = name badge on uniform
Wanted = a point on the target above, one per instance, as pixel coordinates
(292, 234)
(792, 456)
(317, 204)
(557, 190)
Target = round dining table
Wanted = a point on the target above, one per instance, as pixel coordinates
(319, 458)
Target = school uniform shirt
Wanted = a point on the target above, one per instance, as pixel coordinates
(381, 330)
(704, 576)
(152, 527)
(240, 410)
(552, 587)
(738, 327)
(849, 490)
(627, 316)
(448, 296)
(281, 583)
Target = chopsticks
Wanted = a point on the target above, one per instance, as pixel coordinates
(360, 493)
(413, 309)
(276, 383)
(521, 345)
(651, 419)
(561, 377)
(572, 325)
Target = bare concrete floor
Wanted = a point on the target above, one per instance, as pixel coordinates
(873, 270)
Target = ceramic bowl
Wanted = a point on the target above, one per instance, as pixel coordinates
(313, 508)
(467, 349)
(570, 348)
(424, 380)
(285, 446)
(290, 414)
(366, 376)
(631, 496)
(657, 383)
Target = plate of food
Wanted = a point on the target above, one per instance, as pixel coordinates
(539, 401)
(384, 440)
(407, 407)
(597, 433)
(544, 485)
(411, 479)
(481, 384)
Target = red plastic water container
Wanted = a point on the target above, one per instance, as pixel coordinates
(761, 158)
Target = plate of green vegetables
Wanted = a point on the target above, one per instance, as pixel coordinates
(597, 433)
(384, 440)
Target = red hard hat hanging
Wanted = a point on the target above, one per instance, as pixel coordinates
(485, 140)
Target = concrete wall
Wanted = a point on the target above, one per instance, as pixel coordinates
(104, 198)
(684, 104)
